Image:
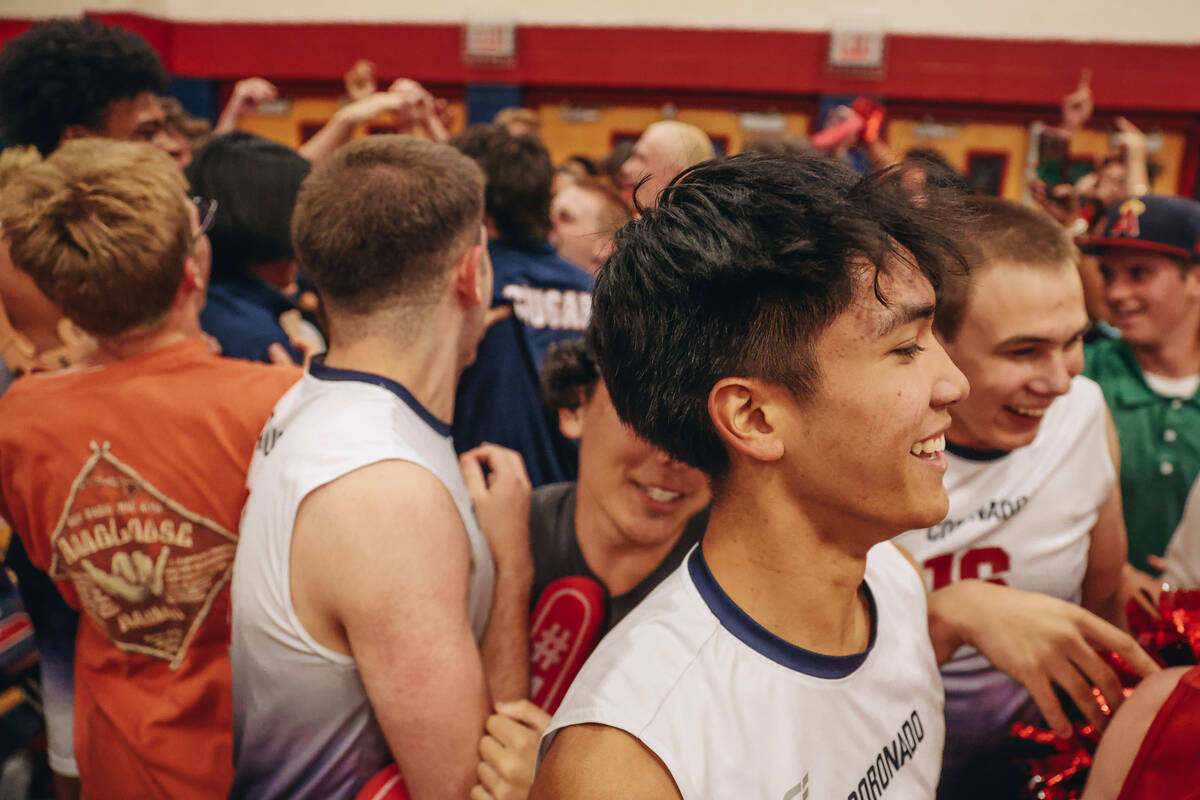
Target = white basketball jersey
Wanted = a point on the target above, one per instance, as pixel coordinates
(303, 726)
(734, 711)
(1024, 519)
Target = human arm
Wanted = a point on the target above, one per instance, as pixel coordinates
(248, 93)
(379, 569)
(422, 109)
(1038, 640)
(597, 762)
(501, 500)
(1077, 106)
(1110, 581)
(1132, 143)
(338, 130)
(1181, 565)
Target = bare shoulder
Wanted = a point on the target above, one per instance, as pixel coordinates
(384, 536)
(1125, 733)
(380, 489)
(598, 762)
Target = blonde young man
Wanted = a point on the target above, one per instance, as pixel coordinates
(125, 480)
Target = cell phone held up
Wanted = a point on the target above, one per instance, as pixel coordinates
(1053, 161)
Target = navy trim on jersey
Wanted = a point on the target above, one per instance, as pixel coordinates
(749, 632)
(318, 369)
(971, 454)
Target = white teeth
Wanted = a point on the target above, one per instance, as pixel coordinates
(934, 445)
(661, 495)
(1029, 412)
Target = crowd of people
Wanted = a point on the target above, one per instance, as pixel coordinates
(327, 467)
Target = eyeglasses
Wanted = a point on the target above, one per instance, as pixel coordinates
(206, 209)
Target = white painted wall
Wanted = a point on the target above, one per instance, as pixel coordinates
(1165, 21)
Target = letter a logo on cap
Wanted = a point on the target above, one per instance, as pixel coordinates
(1127, 222)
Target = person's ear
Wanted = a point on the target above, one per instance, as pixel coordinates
(1191, 282)
(744, 412)
(570, 422)
(466, 278)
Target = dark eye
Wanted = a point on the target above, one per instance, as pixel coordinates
(910, 351)
(1024, 352)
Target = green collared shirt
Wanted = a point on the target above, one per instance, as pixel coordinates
(1160, 447)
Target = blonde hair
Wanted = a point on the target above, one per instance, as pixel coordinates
(103, 229)
(16, 158)
(690, 145)
(523, 116)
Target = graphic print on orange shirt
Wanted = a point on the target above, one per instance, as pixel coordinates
(146, 568)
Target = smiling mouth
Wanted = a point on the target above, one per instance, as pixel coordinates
(1032, 413)
(929, 448)
(658, 493)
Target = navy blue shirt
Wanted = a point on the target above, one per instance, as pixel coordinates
(498, 397)
(243, 315)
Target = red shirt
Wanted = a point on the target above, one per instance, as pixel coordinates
(1165, 765)
(126, 483)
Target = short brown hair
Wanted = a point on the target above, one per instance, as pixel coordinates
(1002, 231)
(103, 229)
(385, 216)
(520, 176)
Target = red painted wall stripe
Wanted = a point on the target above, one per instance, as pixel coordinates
(1131, 77)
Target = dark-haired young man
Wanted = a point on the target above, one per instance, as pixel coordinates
(550, 299)
(770, 323)
(67, 78)
(633, 513)
(367, 601)
(1032, 474)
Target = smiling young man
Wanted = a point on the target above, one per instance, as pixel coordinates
(1032, 467)
(70, 78)
(771, 324)
(1149, 248)
(633, 513)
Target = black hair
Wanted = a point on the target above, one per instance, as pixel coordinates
(939, 172)
(738, 270)
(569, 374)
(66, 72)
(588, 164)
(519, 179)
(255, 182)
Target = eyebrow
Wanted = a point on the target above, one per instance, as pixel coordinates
(1079, 334)
(904, 315)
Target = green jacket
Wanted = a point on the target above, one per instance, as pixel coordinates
(1160, 447)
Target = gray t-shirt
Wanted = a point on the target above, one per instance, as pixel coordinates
(556, 552)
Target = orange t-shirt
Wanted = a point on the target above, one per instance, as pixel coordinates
(126, 483)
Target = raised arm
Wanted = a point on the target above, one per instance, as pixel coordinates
(380, 565)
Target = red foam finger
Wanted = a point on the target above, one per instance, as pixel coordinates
(566, 626)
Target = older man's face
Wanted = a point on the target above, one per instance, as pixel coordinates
(653, 159)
